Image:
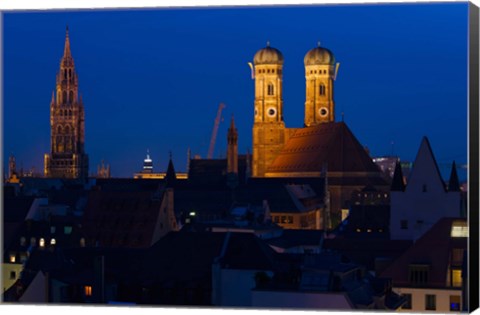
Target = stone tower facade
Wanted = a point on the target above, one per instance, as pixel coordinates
(268, 127)
(232, 149)
(67, 158)
(269, 131)
(319, 75)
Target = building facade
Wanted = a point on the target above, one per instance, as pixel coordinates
(67, 158)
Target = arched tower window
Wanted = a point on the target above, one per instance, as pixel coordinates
(67, 129)
(69, 112)
(65, 74)
(59, 129)
(68, 143)
(321, 89)
(70, 98)
(69, 73)
(64, 97)
(270, 89)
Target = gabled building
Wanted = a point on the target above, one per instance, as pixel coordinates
(430, 273)
(424, 199)
(123, 216)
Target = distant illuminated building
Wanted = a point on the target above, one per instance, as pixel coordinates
(386, 164)
(103, 171)
(147, 164)
(147, 171)
(67, 158)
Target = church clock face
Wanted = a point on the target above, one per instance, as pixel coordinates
(323, 112)
(271, 112)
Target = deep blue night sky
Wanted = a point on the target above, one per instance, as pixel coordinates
(153, 79)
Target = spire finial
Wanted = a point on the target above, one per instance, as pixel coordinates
(268, 43)
(170, 154)
(318, 43)
(66, 51)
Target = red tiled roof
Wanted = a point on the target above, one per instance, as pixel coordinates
(332, 143)
(433, 249)
(121, 218)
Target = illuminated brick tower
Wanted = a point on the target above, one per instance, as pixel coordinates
(269, 127)
(319, 75)
(67, 158)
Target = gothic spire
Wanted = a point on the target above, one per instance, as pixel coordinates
(67, 59)
(170, 176)
(66, 51)
(397, 182)
(453, 183)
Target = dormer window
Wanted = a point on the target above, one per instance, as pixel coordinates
(418, 274)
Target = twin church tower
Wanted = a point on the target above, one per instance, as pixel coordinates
(269, 132)
(67, 157)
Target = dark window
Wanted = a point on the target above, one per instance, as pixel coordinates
(404, 224)
(424, 188)
(64, 98)
(322, 89)
(430, 302)
(418, 274)
(70, 99)
(13, 275)
(408, 303)
(270, 90)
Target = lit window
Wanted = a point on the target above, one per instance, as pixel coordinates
(430, 302)
(192, 214)
(344, 214)
(456, 277)
(459, 229)
(454, 302)
(82, 242)
(67, 230)
(12, 258)
(42, 242)
(88, 290)
(53, 241)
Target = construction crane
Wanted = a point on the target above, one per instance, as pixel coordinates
(215, 131)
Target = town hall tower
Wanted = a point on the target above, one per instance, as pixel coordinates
(67, 158)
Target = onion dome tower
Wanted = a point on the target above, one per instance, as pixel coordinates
(319, 75)
(268, 127)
